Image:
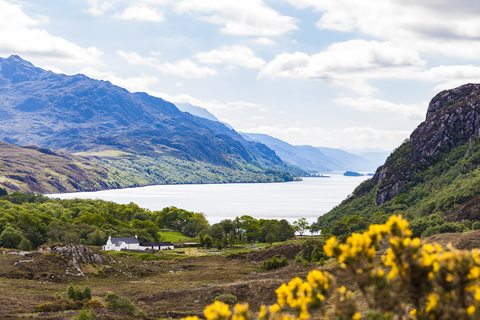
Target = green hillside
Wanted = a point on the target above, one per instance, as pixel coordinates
(437, 191)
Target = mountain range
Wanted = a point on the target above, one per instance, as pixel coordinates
(87, 117)
(309, 158)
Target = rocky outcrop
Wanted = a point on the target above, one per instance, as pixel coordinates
(453, 118)
(78, 253)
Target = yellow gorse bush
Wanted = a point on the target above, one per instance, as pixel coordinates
(413, 280)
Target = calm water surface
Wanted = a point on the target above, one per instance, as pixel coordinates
(309, 198)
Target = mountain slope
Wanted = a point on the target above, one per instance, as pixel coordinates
(36, 169)
(433, 178)
(314, 159)
(78, 114)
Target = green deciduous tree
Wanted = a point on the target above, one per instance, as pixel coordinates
(270, 238)
(11, 238)
(300, 225)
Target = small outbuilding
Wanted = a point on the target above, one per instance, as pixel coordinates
(157, 245)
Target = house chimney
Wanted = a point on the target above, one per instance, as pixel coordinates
(136, 236)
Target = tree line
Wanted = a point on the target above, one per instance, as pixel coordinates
(28, 221)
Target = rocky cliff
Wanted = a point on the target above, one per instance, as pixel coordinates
(453, 118)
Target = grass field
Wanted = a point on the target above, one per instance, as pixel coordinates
(174, 236)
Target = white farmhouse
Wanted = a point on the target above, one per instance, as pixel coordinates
(117, 244)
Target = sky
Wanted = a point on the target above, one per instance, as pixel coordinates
(331, 73)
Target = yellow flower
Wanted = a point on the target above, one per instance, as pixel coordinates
(190, 318)
(356, 316)
(471, 310)
(217, 311)
(474, 273)
(477, 294)
(413, 312)
(240, 312)
(329, 246)
(432, 302)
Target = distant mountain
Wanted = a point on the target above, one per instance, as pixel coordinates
(349, 161)
(196, 111)
(313, 159)
(200, 112)
(77, 114)
(376, 156)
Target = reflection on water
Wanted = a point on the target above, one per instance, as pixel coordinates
(309, 198)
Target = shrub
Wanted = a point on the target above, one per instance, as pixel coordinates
(76, 293)
(318, 255)
(226, 298)
(422, 281)
(308, 247)
(90, 304)
(120, 303)
(476, 225)
(87, 293)
(85, 314)
(58, 305)
(298, 258)
(273, 263)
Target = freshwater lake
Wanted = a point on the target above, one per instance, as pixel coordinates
(308, 199)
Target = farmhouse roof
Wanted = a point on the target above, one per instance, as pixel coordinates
(129, 240)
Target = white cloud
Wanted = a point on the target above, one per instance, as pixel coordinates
(247, 17)
(368, 104)
(451, 76)
(133, 84)
(265, 41)
(141, 13)
(233, 55)
(432, 26)
(99, 7)
(135, 59)
(348, 64)
(19, 35)
(210, 104)
(184, 68)
(255, 118)
(53, 69)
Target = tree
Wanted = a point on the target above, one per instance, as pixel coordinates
(232, 239)
(314, 228)
(224, 241)
(201, 241)
(284, 230)
(339, 228)
(97, 238)
(25, 245)
(11, 238)
(216, 231)
(270, 238)
(300, 225)
(208, 242)
(218, 244)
